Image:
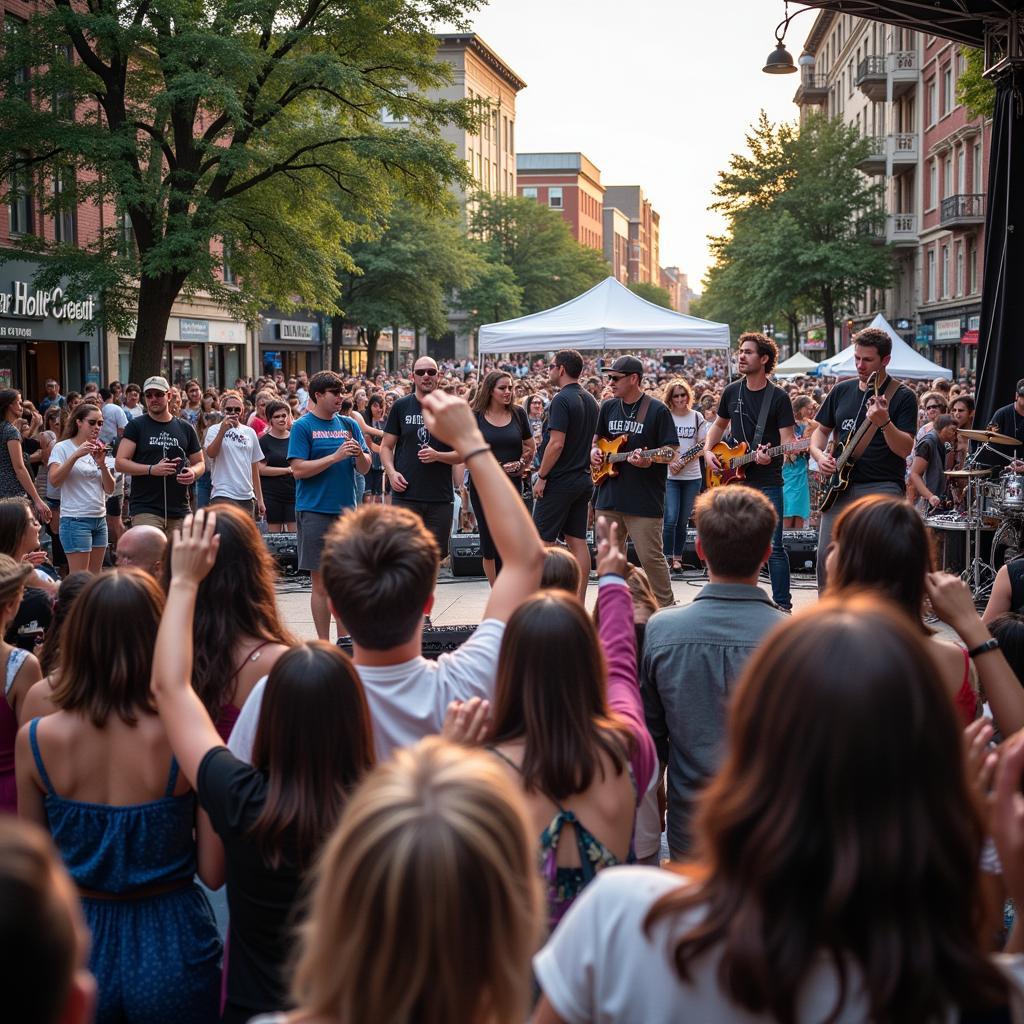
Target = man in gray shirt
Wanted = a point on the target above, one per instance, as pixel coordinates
(694, 655)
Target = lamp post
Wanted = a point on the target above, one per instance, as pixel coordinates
(780, 60)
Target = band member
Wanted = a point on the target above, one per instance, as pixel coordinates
(635, 499)
(1009, 420)
(928, 468)
(739, 411)
(881, 467)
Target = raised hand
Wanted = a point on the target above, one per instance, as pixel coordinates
(452, 420)
(467, 722)
(611, 559)
(195, 548)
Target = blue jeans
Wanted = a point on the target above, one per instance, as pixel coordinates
(778, 563)
(79, 534)
(204, 485)
(679, 498)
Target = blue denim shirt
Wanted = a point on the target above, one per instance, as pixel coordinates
(692, 658)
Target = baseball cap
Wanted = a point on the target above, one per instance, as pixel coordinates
(625, 364)
(156, 384)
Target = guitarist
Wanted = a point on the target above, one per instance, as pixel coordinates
(881, 467)
(743, 412)
(635, 499)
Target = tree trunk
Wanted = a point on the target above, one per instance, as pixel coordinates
(396, 351)
(337, 327)
(372, 334)
(828, 314)
(156, 297)
(793, 332)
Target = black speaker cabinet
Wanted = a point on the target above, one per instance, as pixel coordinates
(437, 640)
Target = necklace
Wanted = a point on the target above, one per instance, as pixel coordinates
(632, 412)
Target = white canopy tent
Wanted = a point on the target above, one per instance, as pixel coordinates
(608, 316)
(905, 362)
(795, 366)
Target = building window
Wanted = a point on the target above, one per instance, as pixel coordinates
(511, 136)
(555, 197)
(959, 268)
(530, 192)
(227, 270)
(972, 267)
(945, 272)
(62, 99)
(961, 169)
(933, 102)
(930, 283)
(978, 183)
(19, 199)
(933, 184)
(126, 234)
(947, 176)
(20, 79)
(64, 207)
(947, 89)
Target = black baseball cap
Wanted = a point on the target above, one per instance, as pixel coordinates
(626, 365)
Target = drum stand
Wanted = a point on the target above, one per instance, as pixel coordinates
(978, 574)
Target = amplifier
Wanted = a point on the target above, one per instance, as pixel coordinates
(465, 552)
(284, 548)
(436, 641)
(802, 548)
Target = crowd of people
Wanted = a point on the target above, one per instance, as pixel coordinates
(578, 815)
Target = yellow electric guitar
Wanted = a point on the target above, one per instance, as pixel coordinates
(611, 453)
(735, 460)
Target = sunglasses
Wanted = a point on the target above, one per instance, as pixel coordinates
(233, 410)
(932, 408)
(615, 377)
(156, 394)
(425, 373)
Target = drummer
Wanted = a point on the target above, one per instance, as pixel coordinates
(928, 469)
(1009, 420)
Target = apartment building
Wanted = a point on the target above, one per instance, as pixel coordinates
(644, 226)
(616, 242)
(570, 184)
(674, 281)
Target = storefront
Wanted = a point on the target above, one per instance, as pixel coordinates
(953, 338)
(41, 334)
(290, 344)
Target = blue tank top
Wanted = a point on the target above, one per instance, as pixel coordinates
(118, 849)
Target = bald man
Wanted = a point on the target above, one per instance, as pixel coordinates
(142, 547)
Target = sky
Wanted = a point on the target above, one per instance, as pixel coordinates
(656, 93)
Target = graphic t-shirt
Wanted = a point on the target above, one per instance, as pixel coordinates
(844, 410)
(573, 412)
(81, 493)
(428, 481)
(315, 438)
(231, 476)
(635, 491)
(742, 408)
(277, 488)
(154, 441)
(691, 430)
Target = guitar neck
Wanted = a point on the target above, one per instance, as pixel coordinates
(781, 449)
(645, 454)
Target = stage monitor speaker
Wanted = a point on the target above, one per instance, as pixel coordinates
(284, 548)
(437, 640)
(802, 548)
(465, 553)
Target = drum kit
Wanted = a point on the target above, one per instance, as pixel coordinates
(992, 508)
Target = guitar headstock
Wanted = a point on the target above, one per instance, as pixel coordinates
(663, 455)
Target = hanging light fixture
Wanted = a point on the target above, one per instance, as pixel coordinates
(780, 60)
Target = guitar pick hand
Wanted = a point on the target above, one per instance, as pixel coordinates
(762, 458)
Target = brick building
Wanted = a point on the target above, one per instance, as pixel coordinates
(644, 231)
(616, 242)
(570, 184)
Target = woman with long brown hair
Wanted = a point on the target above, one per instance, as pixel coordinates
(839, 852)
(507, 430)
(240, 635)
(314, 742)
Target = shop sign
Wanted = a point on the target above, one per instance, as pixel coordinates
(925, 334)
(814, 345)
(193, 330)
(28, 313)
(297, 330)
(948, 330)
(35, 303)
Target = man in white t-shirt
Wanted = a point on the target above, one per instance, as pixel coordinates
(114, 419)
(379, 566)
(236, 454)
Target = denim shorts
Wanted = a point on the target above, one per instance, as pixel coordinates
(82, 534)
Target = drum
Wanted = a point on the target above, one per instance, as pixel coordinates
(951, 528)
(1011, 494)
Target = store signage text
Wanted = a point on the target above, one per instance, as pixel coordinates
(296, 330)
(23, 301)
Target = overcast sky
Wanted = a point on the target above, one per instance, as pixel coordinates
(657, 93)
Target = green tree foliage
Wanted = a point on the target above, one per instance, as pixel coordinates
(549, 266)
(805, 228)
(247, 121)
(651, 292)
(973, 90)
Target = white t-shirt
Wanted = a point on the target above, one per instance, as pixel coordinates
(691, 429)
(134, 412)
(232, 469)
(406, 701)
(81, 493)
(114, 419)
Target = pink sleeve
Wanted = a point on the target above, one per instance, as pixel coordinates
(618, 638)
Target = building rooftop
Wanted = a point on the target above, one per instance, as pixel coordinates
(471, 41)
(537, 163)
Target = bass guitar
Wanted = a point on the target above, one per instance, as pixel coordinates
(842, 452)
(735, 460)
(610, 454)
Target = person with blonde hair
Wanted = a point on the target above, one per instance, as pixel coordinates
(684, 477)
(427, 903)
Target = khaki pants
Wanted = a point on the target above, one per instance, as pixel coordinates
(152, 519)
(646, 532)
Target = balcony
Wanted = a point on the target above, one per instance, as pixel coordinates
(962, 211)
(871, 78)
(903, 72)
(872, 231)
(813, 89)
(901, 230)
(873, 161)
(904, 150)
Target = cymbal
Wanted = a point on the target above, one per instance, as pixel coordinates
(988, 435)
(963, 474)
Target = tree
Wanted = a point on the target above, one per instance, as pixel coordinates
(549, 265)
(253, 127)
(651, 292)
(976, 92)
(805, 227)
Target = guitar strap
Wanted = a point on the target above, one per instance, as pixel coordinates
(891, 385)
(762, 417)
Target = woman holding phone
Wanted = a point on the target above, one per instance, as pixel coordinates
(78, 466)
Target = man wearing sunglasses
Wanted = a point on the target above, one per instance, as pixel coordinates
(235, 453)
(419, 466)
(163, 456)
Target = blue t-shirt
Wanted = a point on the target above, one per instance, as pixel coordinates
(314, 438)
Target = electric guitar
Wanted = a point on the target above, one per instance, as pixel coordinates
(611, 454)
(735, 460)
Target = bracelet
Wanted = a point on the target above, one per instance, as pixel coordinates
(991, 644)
(477, 451)
(885, 424)
(149, 471)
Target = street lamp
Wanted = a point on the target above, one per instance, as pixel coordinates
(780, 60)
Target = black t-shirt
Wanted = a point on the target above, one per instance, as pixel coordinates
(32, 619)
(844, 411)
(506, 442)
(261, 899)
(573, 412)
(428, 481)
(933, 451)
(1010, 422)
(277, 488)
(637, 492)
(742, 408)
(175, 439)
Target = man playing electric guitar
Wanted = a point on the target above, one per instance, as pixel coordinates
(881, 467)
(742, 412)
(635, 498)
